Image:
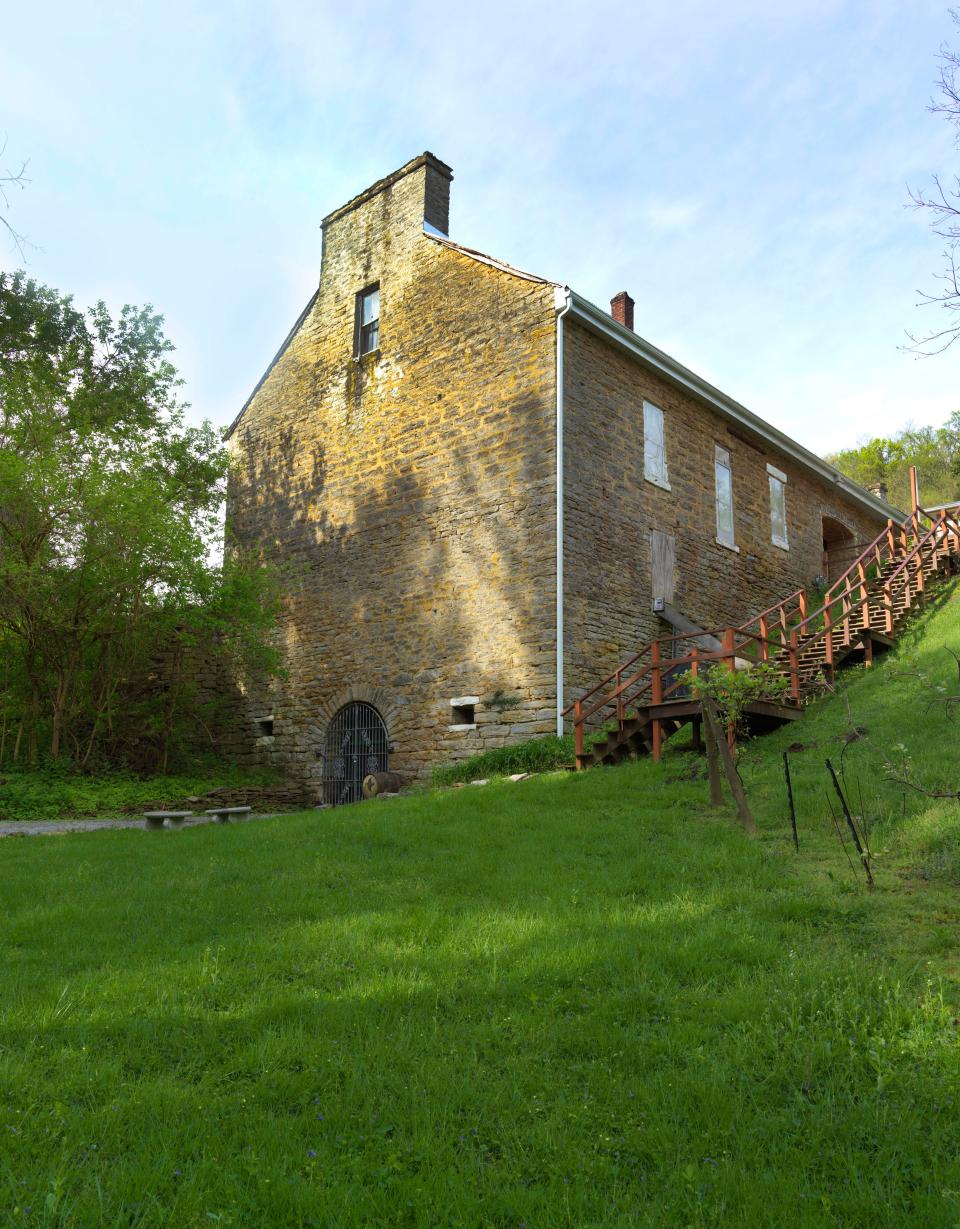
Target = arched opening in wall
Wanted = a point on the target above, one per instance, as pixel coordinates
(839, 548)
(356, 745)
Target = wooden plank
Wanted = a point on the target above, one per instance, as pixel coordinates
(662, 564)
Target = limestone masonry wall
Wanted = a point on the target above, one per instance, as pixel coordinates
(407, 495)
(610, 510)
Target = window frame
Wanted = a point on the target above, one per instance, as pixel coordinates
(659, 475)
(777, 483)
(723, 460)
(359, 328)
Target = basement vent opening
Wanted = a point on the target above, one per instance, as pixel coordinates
(463, 712)
(265, 727)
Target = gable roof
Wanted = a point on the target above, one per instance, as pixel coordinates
(603, 324)
(273, 362)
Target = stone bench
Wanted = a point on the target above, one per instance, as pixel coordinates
(155, 819)
(225, 814)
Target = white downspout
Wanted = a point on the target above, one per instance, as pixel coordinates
(563, 301)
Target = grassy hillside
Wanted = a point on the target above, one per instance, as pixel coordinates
(579, 1000)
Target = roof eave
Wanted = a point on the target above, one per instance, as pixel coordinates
(273, 362)
(600, 322)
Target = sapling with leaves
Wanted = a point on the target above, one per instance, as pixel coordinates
(733, 690)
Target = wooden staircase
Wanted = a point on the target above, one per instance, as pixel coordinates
(644, 702)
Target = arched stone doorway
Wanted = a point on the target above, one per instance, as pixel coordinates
(356, 745)
(839, 547)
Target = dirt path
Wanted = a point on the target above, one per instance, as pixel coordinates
(58, 827)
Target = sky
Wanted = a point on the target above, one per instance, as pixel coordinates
(741, 169)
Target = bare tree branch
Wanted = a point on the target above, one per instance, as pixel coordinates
(942, 205)
(9, 179)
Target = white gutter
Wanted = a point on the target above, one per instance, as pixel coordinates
(599, 321)
(563, 301)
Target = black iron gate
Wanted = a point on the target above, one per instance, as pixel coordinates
(356, 746)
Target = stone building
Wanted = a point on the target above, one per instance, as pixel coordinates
(449, 586)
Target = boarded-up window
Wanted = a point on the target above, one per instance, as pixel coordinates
(778, 507)
(654, 445)
(662, 554)
(724, 479)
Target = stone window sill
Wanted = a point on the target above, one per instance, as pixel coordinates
(664, 486)
(728, 546)
(780, 545)
(458, 729)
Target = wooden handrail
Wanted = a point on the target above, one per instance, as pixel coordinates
(778, 636)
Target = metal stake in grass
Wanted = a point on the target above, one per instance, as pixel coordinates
(793, 813)
(852, 826)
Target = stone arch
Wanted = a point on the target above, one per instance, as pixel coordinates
(382, 701)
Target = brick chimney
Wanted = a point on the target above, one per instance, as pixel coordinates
(879, 489)
(621, 308)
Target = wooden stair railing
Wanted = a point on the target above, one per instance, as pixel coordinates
(866, 603)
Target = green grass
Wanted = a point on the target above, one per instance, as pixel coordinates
(579, 1000)
(534, 755)
(62, 793)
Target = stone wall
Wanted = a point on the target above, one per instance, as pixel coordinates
(611, 509)
(407, 495)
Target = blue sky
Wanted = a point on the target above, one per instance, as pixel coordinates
(741, 169)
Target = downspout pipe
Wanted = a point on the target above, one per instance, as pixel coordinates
(563, 301)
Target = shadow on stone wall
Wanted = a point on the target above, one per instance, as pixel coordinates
(429, 581)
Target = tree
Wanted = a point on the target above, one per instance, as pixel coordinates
(934, 450)
(12, 178)
(109, 521)
(942, 205)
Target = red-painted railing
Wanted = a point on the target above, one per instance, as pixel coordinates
(880, 585)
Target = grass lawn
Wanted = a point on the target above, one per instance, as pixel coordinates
(580, 1000)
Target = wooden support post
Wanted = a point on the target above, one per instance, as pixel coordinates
(713, 761)
(656, 697)
(890, 539)
(578, 730)
(712, 719)
(764, 636)
(915, 501)
(794, 667)
(887, 609)
(864, 598)
(803, 604)
(729, 654)
(619, 694)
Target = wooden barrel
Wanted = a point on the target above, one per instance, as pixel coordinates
(380, 783)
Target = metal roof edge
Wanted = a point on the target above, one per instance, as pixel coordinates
(599, 321)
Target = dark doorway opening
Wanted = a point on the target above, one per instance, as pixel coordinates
(356, 745)
(839, 548)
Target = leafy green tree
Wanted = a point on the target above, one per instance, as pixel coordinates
(934, 450)
(109, 523)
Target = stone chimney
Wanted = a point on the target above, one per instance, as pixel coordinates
(879, 489)
(621, 308)
(362, 237)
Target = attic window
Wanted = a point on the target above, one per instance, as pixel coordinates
(265, 727)
(463, 712)
(368, 321)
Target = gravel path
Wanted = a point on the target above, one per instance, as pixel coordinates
(57, 827)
